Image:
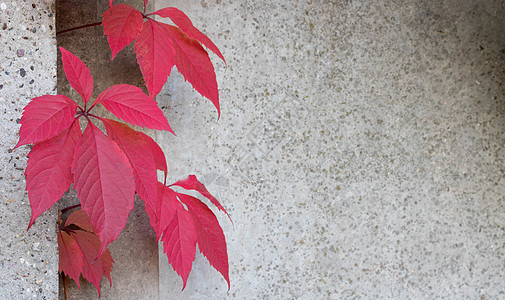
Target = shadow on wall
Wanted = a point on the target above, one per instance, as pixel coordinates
(135, 252)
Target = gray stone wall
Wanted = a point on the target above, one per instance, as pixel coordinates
(28, 259)
(359, 151)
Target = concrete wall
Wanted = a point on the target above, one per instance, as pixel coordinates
(359, 152)
(28, 259)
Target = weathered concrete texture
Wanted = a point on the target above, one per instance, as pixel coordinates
(28, 259)
(359, 152)
(135, 271)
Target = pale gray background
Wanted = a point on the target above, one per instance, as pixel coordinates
(360, 150)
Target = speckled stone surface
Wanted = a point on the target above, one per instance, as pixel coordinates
(360, 150)
(28, 259)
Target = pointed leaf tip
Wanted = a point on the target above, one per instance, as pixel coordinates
(85, 251)
(138, 150)
(193, 62)
(70, 256)
(45, 117)
(48, 174)
(155, 55)
(77, 74)
(179, 242)
(130, 104)
(192, 183)
(210, 237)
(184, 23)
(121, 24)
(104, 181)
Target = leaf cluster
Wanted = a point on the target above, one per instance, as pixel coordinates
(108, 168)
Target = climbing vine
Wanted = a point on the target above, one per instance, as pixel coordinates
(107, 168)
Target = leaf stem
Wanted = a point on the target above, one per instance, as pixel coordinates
(91, 107)
(147, 16)
(65, 286)
(87, 118)
(69, 208)
(97, 117)
(78, 27)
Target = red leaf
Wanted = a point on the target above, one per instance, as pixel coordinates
(93, 268)
(48, 173)
(121, 23)
(139, 154)
(111, 2)
(166, 205)
(184, 23)
(130, 104)
(77, 74)
(155, 55)
(210, 236)
(179, 242)
(104, 182)
(194, 64)
(159, 156)
(80, 218)
(107, 262)
(153, 212)
(70, 256)
(45, 117)
(192, 183)
(153, 219)
(86, 247)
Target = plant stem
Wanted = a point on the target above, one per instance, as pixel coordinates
(65, 286)
(69, 208)
(79, 27)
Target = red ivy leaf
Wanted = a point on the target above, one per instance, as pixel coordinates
(48, 173)
(70, 256)
(184, 23)
(93, 268)
(107, 262)
(160, 46)
(178, 236)
(77, 74)
(194, 64)
(121, 23)
(210, 236)
(45, 117)
(159, 157)
(111, 2)
(130, 104)
(179, 242)
(192, 183)
(152, 212)
(165, 207)
(80, 219)
(155, 55)
(104, 182)
(138, 151)
(79, 252)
